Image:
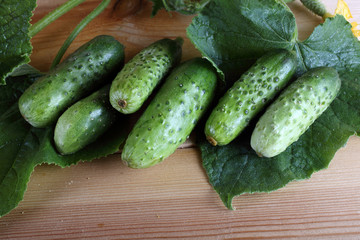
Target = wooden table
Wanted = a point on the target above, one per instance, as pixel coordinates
(106, 200)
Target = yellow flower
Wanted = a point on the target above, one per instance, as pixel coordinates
(343, 9)
(354, 29)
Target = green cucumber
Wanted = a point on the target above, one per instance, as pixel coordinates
(172, 114)
(249, 95)
(79, 74)
(135, 82)
(83, 122)
(294, 111)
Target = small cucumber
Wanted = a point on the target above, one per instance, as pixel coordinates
(172, 114)
(79, 74)
(84, 122)
(294, 111)
(249, 95)
(135, 82)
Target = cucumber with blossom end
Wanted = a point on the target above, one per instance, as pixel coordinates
(139, 77)
(172, 114)
(294, 111)
(83, 122)
(89, 67)
(249, 95)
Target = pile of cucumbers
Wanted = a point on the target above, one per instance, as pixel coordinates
(85, 94)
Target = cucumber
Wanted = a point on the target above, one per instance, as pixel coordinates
(294, 111)
(172, 114)
(79, 74)
(249, 95)
(135, 82)
(83, 122)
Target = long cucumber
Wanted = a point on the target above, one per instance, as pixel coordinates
(81, 72)
(294, 111)
(83, 122)
(172, 114)
(139, 77)
(249, 95)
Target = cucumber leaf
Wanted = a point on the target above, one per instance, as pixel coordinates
(22, 147)
(236, 169)
(15, 46)
(233, 34)
(331, 44)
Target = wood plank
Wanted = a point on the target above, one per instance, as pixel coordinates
(106, 200)
(173, 199)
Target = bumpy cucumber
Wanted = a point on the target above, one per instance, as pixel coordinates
(80, 73)
(249, 95)
(172, 114)
(84, 122)
(294, 111)
(135, 82)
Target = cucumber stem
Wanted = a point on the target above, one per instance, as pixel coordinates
(166, 6)
(52, 16)
(211, 140)
(78, 29)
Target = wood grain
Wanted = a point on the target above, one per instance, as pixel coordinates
(173, 200)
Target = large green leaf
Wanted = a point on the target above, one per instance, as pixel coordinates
(233, 34)
(236, 169)
(331, 44)
(15, 46)
(22, 147)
